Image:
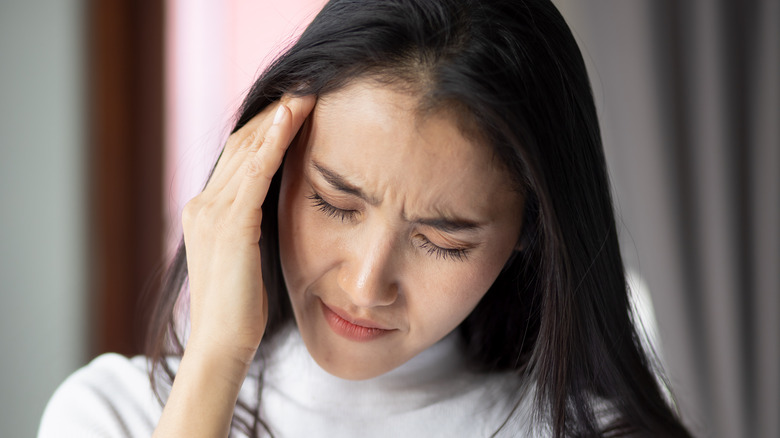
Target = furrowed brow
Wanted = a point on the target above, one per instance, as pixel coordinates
(341, 184)
(445, 224)
(449, 225)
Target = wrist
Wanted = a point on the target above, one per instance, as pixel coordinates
(218, 358)
(204, 392)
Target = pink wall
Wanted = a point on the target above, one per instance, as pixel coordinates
(215, 49)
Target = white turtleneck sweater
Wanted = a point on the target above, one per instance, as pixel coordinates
(431, 395)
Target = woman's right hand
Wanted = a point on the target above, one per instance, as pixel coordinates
(228, 307)
(228, 304)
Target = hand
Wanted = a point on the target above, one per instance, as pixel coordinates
(228, 303)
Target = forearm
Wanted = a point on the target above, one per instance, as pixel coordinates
(228, 303)
(203, 396)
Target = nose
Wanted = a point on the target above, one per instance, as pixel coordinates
(368, 274)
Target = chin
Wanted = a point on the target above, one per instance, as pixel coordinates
(351, 371)
(351, 360)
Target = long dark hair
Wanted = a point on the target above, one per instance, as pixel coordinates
(559, 312)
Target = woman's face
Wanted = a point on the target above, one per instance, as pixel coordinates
(392, 227)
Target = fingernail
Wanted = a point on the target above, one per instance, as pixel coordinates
(279, 114)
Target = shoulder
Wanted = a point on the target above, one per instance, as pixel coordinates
(508, 402)
(110, 397)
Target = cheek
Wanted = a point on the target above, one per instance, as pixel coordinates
(444, 297)
(453, 289)
(303, 243)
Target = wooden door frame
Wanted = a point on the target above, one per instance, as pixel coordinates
(126, 112)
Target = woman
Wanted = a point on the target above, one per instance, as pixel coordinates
(439, 239)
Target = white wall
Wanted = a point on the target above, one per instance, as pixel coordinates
(42, 205)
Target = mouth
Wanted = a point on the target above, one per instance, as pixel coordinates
(354, 329)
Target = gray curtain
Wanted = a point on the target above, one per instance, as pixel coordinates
(689, 99)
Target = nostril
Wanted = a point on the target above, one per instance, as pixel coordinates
(368, 274)
(368, 287)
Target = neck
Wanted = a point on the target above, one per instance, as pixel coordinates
(417, 383)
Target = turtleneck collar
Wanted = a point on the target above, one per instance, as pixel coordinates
(425, 379)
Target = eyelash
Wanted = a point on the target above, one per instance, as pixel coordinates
(331, 211)
(458, 254)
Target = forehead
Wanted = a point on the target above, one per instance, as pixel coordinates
(377, 138)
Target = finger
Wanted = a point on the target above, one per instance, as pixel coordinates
(257, 172)
(246, 139)
(261, 167)
(299, 108)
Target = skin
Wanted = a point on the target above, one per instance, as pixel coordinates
(228, 312)
(390, 262)
(380, 257)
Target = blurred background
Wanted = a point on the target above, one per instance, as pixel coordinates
(112, 113)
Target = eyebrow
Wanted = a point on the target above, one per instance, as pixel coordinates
(444, 223)
(340, 183)
(449, 225)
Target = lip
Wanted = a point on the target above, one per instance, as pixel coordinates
(354, 329)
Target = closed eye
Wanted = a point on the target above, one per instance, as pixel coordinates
(458, 254)
(331, 211)
(430, 248)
